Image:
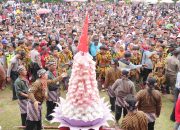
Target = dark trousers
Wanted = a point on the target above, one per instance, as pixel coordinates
(33, 125)
(146, 72)
(50, 107)
(118, 112)
(112, 102)
(170, 82)
(14, 76)
(23, 119)
(151, 125)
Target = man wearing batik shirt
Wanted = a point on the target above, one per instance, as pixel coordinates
(21, 86)
(134, 120)
(38, 93)
(121, 88)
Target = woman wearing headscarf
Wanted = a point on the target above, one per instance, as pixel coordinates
(150, 102)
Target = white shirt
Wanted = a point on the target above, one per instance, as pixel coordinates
(178, 80)
(59, 46)
(35, 57)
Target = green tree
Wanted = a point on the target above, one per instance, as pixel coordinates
(175, 1)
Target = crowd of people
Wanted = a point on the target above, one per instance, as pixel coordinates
(39, 46)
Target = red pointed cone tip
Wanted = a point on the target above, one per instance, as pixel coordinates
(83, 42)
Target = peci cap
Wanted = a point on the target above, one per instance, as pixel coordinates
(125, 72)
(151, 81)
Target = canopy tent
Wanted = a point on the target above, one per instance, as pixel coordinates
(75, 0)
(166, 1)
(43, 11)
(151, 1)
(137, 1)
(11, 2)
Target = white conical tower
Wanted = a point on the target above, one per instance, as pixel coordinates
(83, 106)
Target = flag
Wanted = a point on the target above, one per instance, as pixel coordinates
(83, 41)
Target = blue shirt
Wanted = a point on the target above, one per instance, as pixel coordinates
(94, 49)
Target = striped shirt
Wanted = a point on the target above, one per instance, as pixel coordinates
(149, 103)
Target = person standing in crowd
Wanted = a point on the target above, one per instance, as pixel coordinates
(53, 89)
(148, 62)
(150, 102)
(121, 88)
(135, 119)
(2, 77)
(9, 54)
(94, 47)
(112, 74)
(21, 86)
(74, 47)
(12, 70)
(103, 60)
(53, 46)
(2, 59)
(65, 64)
(172, 67)
(44, 56)
(36, 61)
(37, 93)
(126, 62)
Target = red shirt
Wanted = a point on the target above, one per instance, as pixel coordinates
(43, 59)
(177, 110)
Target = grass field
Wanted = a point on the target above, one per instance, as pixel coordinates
(10, 115)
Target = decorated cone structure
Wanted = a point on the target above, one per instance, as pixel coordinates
(83, 108)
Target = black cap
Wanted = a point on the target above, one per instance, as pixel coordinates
(151, 81)
(130, 102)
(127, 54)
(36, 44)
(125, 72)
